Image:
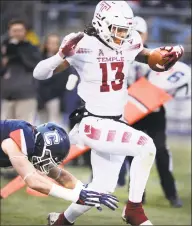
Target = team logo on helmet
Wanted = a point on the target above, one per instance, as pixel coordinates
(104, 6)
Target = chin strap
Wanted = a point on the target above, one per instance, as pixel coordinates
(99, 38)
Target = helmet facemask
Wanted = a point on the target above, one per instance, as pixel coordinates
(52, 145)
(45, 162)
(120, 34)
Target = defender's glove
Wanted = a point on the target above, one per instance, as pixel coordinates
(92, 198)
(67, 48)
(174, 54)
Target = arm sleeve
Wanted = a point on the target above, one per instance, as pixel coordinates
(44, 69)
(70, 60)
(138, 42)
(135, 45)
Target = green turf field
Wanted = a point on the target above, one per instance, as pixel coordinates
(22, 209)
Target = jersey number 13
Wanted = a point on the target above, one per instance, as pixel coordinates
(118, 76)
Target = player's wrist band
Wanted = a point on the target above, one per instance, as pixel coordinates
(65, 193)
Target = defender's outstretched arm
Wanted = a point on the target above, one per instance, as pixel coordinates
(77, 193)
(32, 178)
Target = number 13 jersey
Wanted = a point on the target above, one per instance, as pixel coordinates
(103, 73)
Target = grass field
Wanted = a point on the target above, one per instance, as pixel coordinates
(23, 209)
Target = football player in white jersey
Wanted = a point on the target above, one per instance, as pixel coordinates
(175, 81)
(102, 56)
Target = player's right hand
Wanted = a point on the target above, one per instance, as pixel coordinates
(92, 198)
(174, 54)
(69, 43)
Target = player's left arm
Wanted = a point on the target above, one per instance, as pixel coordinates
(174, 54)
(142, 57)
(75, 193)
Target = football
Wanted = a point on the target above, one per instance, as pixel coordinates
(156, 61)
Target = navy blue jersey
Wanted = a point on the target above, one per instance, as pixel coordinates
(22, 133)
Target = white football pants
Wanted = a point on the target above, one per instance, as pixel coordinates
(111, 141)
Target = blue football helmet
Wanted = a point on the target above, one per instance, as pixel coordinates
(52, 145)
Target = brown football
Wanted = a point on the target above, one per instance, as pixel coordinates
(156, 61)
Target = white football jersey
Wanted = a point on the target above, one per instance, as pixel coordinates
(103, 73)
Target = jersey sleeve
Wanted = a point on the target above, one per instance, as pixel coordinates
(24, 138)
(134, 45)
(138, 42)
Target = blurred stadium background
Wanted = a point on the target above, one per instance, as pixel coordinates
(169, 23)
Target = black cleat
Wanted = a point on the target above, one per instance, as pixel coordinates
(176, 202)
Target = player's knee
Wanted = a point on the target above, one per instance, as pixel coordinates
(147, 145)
(150, 147)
